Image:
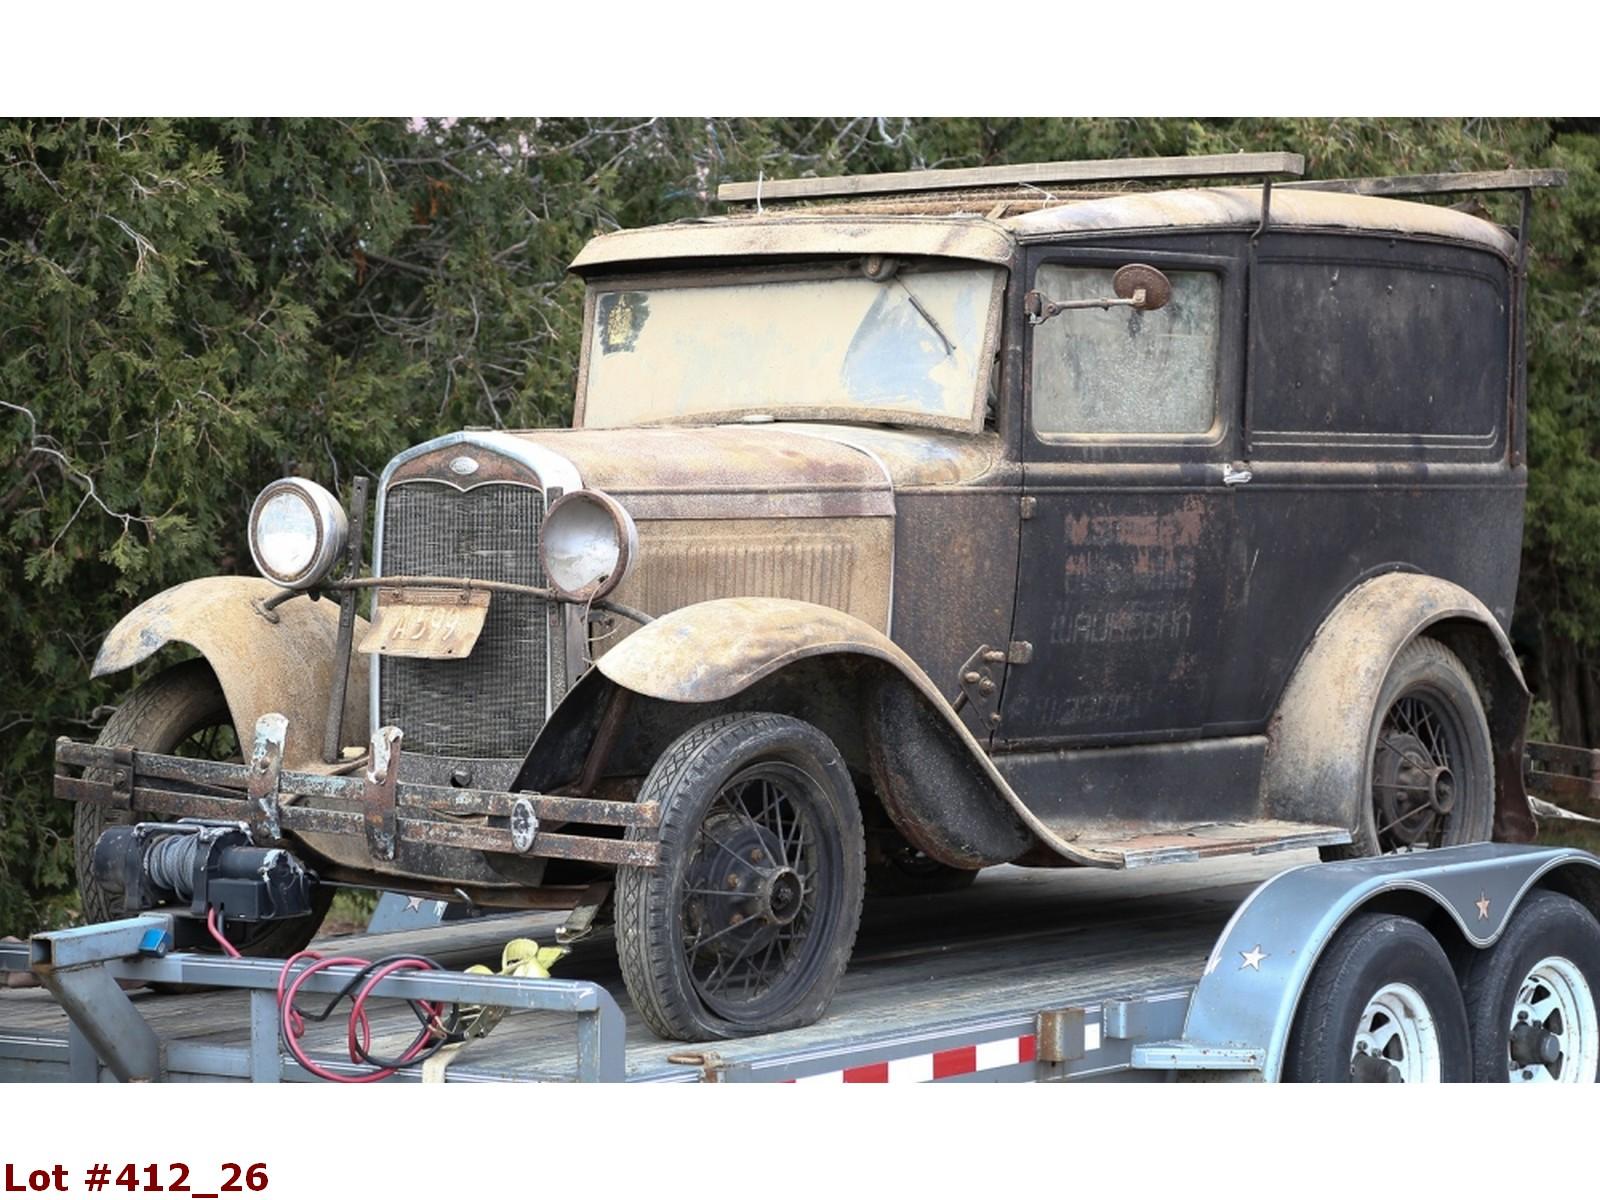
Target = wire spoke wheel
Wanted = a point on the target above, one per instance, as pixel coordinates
(1554, 1035)
(1413, 772)
(1430, 777)
(750, 894)
(746, 923)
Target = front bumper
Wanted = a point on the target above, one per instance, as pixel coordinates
(399, 821)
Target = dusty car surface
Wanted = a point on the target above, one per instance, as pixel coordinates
(895, 538)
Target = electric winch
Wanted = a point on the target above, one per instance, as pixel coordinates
(212, 866)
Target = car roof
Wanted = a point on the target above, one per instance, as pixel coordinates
(1240, 208)
(789, 232)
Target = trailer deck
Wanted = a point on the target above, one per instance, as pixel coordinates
(940, 986)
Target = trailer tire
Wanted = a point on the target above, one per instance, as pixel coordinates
(1382, 1006)
(160, 715)
(762, 855)
(1545, 968)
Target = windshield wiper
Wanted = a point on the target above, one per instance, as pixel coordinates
(949, 346)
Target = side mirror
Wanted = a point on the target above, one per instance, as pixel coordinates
(1142, 287)
(1136, 286)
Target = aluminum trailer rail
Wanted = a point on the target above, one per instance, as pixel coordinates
(1028, 975)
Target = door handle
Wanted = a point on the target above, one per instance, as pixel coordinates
(1236, 473)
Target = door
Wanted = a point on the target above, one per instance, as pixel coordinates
(1128, 447)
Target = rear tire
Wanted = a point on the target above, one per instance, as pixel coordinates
(1531, 997)
(1382, 1006)
(1429, 778)
(178, 706)
(746, 924)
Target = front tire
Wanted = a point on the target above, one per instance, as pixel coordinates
(1429, 779)
(746, 924)
(1532, 996)
(180, 711)
(1381, 1006)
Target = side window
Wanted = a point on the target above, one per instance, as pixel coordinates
(1122, 371)
(1372, 352)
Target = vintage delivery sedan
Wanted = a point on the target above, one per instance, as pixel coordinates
(892, 540)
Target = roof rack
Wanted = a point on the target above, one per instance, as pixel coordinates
(1434, 185)
(1103, 170)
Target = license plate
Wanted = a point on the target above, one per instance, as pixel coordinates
(426, 622)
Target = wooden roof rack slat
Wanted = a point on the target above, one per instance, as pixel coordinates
(1104, 170)
(1434, 185)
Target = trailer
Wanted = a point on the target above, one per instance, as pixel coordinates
(1254, 968)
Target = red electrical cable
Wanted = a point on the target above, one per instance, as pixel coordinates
(359, 1033)
(216, 932)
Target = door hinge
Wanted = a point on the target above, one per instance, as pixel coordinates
(1030, 505)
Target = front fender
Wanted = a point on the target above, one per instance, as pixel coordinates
(264, 665)
(718, 649)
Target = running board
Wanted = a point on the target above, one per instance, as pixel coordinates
(1128, 848)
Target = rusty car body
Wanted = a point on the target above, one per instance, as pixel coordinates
(948, 554)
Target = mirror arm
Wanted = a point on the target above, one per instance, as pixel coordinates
(1040, 308)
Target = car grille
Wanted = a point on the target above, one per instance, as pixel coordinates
(491, 703)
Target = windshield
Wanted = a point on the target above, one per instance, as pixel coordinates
(912, 348)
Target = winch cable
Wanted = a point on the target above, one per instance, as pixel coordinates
(438, 1028)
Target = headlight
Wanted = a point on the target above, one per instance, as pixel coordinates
(589, 545)
(297, 532)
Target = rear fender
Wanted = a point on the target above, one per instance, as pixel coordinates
(1316, 760)
(280, 661)
(938, 784)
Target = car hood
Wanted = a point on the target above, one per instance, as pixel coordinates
(668, 468)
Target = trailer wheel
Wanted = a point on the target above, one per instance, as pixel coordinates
(1430, 759)
(1531, 996)
(180, 711)
(747, 922)
(1381, 1006)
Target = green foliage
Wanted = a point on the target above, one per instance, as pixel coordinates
(191, 308)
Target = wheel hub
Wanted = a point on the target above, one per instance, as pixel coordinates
(1411, 790)
(1396, 1040)
(1554, 1035)
(1534, 1045)
(780, 895)
(734, 882)
(751, 893)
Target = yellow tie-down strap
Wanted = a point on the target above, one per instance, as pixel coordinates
(522, 958)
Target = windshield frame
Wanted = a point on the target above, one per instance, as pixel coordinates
(756, 273)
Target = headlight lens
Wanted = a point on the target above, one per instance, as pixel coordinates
(297, 532)
(589, 545)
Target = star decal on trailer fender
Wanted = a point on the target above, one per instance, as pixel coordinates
(1252, 958)
(1483, 906)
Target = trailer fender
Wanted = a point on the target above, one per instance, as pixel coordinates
(1317, 760)
(1244, 1006)
(938, 784)
(278, 661)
